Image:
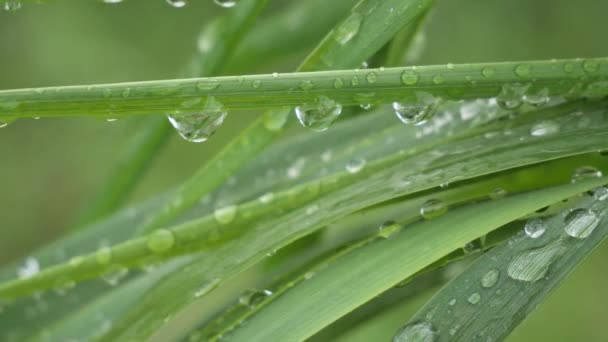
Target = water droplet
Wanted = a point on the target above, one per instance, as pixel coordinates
(251, 298)
(511, 95)
(256, 84)
(535, 228)
(580, 223)
(538, 99)
(490, 279)
(366, 106)
(161, 241)
(438, 79)
(522, 70)
(226, 3)
(452, 302)
(600, 193)
(112, 1)
(568, 67)
(416, 332)
(306, 85)
(3, 124)
(338, 83)
(355, 165)
(348, 29)
(207, 288)
(12, 5)
(312, 209)
(226, 214)
(544, 128)
(409, 77)
(488, 72)
(115, 274)
(198, 127)
(103, 255)
(585, 172)
(76, 261)
(498, 193)
(354, 81)
(388, 228)
(419, 112)
(591, 66)
(371, 77)
(533, 264)
(433, 208)
(320, 115)
(267, 197)
(207, 84)
(29, 269)
(177, 3)
(474, 298)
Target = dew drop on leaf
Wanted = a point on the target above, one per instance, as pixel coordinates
(433, 208)
(12, 5)
(355, 165)
(30, 268)
(537, 99)
(226, 214)
(252, 297)
(388, 229)
(225, 3)
(498, 193)
(533, 264)
(177, 3)
(115, 274)
(266, 198)
(416, 332)
(320, 115)
(419, 112)
(544, 128)
(585, 172)
(103, 255)
(600, 193)
(198, 127)
(580, 223)
(488, 72)
(511, 95)
(160, 241)
(348, 29)
(535, 228)
(474, 298)
(490, 278)
(522, 70)
(409, 77)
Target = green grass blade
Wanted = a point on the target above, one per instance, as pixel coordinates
(356, 279)
(497, 292)
(461, 81)
(269, 127)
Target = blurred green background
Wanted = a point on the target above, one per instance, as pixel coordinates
(49, 167)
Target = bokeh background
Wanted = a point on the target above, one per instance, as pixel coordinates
(50, 167)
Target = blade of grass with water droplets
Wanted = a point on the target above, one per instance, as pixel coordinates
(221, 37)
(491, 297)
(457, 81)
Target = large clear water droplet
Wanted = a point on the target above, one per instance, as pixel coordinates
(348, 29)
(30, 268)
(433, 208)
(533, 264)
(535, 228)
(474, 298)
(355, 165)
(177, 3)
(253, 297)
(580, 223)
(544, 128)
(226, 3)
(490, 278)
(198, 127)
(585, 172)
(511, 95)
(161, 241)
(416, 332)
(418, 112)
(320, 115)
(388, 228)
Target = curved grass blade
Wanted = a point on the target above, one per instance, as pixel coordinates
(489, 299)
(263, 237)
(272, 124)
(375, 86)
(364, 274)
(221, 37)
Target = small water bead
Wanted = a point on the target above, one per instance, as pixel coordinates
(256, 84)
(511, 95)
(544, 128)
(452, 302)
(306, 85)
(112, 1)
(320, 115)
(253, 297)
(267, 197)
(600, 193)
(207, 84)
(580, 223)
(433, 208)
(488, 72)
(76, 261)
(338, 83)
(538, 99)
(585, 172)
(409, 77)
(366, 106)
(177, 3)
(161, 241)
(522, 70)
(226, 3)
(438, 79)
(591, 66)
(490, 278)
(348, 29)
(198, 127)
(103, 255)
(498, 193)
(115, 274)
(535, 228)
(355, 165)
(3, 124)
(532, 265)
(417, 113)
(474, 298)
(416, 332)
(12, 5)
(371, 77)
(226, 214)
(568, 67)
(388, 229)
(206, 288)
(29, 269)
(354, 81)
